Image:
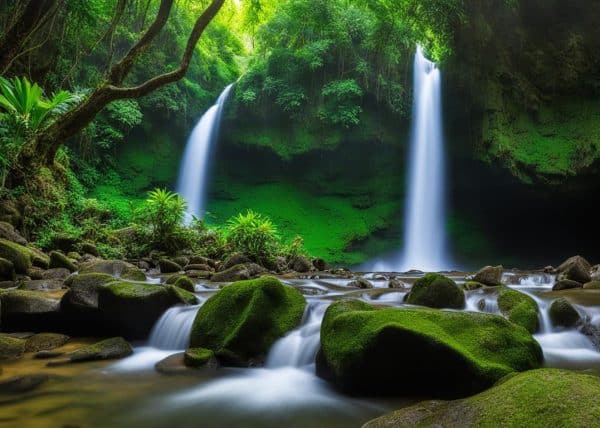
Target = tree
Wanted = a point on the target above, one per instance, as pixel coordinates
(40, 150)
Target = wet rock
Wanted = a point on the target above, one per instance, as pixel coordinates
(168, 266)
(229, 358)
(301, 264)
(489, 275)
(108, 349)
(41, 285)
(84, 289)
(575, 268)
(472, 285)
(23, 383)
(200, 357)
(59, 260)
(563, 314)
(181, 260)
(543, 398)
(11, 347)
(201, 260)
(7, 270)
(18, 255)
(89, 248)
(592, 285)
(233, 260)
(116, 268)
(238, 273)
(549, 269)
(360, 283)
(320, 265)
(396, 283)
(56, 273)
(436, 291)
(185, 283)
(201, 267)
(519, 308)
(35, 272)
(47, 355)
(390, 351)
(24, 310)
(247, 317)
(199, 274)
(8, 232)
(7, 284)
(566, 284)
(172, 365)
(74, 255)
(595, 273)
(173, 278)
(45, 342)
(182, 296)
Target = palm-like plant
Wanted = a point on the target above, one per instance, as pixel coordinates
(253, 234)
(164, 212)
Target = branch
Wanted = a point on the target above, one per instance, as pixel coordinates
(175, 75)
(120, 70)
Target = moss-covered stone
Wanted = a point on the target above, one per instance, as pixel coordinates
(436, 291)
(133, 308)
(115, 347)
(198, 357)
(38, 258)
(536, 398)
(247, 317)
(19, 255)
(472, 285)
(169, 266)
(11, 347)
(519, 308)
(8, 232)
(7, 270)
(24, 310)
(185, 283)
(59, 260)
(366, 350)
(89, 248)
(562, 313)
(116, 268)
(592, 285)
(45, 341)
(566, 284)
(182, 295)
(84, 288)
(238, 273)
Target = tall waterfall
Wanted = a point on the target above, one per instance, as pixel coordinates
(193, 174)
(425, 237)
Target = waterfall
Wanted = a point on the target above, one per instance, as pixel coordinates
(425, 240)
(193, 174)
(172, 330)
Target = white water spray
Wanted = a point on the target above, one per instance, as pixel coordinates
(425, 245)
(193, 175)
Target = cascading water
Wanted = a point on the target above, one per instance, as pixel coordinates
(172, 330)
(425, 245)
(193, 175)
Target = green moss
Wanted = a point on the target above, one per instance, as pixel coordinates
(11, 347)
(184, 283)
(197, 357)
(536, 398)
(440, 352)
(436, 291)
(115, 347)
(519, 308)
(59, 260)
(19, 255)
(247, 317)
(182, 295)
(132, 290)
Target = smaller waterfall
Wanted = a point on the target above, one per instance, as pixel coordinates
(172, 331)
(299, 347)
(193, 174)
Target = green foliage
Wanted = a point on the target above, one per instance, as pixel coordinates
(254, 235)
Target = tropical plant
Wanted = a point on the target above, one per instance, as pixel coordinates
(254, 235)
(163, 213)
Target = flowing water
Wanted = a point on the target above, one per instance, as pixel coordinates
(193, 174)
(286, 391)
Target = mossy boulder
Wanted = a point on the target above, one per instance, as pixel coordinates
(109, 349)
(536, 398)
(59, 260)
(11, 347)
(436, 291)
(519, 308)
(24, 310)
(489, 275)
(133, 308)
(116, 268)
(472, 285)
(592, 285)
(185, 283)
(18, 255)
(84, 288)
(199, 357)
(41, 285)
(247, 317)
(182, 296)
(8, 232)
(168, 266)
(45, 341)
(38, 258)
(238, 273)
(414, 351)
(60, 274)
(7, 270)
(89, 248)
(563, 314)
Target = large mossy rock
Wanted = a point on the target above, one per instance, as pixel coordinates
(8, 232)
(83, 290)
(59, 260)
(132, 308)
(436, 291)
(24, 310)
(563, 314)
(392, 351)
(519, 308)
(108, 349)
(247, 317)
(19, 255)
(537, 398)
(116, 268)
(238, 273)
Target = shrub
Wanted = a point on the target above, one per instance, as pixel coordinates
(254, 235)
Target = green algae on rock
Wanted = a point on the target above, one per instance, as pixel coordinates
(247, 317)
(390, 351)
(519, 308)
(436, 291)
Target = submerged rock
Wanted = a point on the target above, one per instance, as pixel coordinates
(563, 314)
(238, 273)
(575, 268)
(247, 317)
(519, 308)
(11, 347)
(436, 291)
(108, 349)
(23, 383)
(365, 350)
(541, 398)
(489, 275)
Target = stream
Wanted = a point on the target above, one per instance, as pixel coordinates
(285, 392)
